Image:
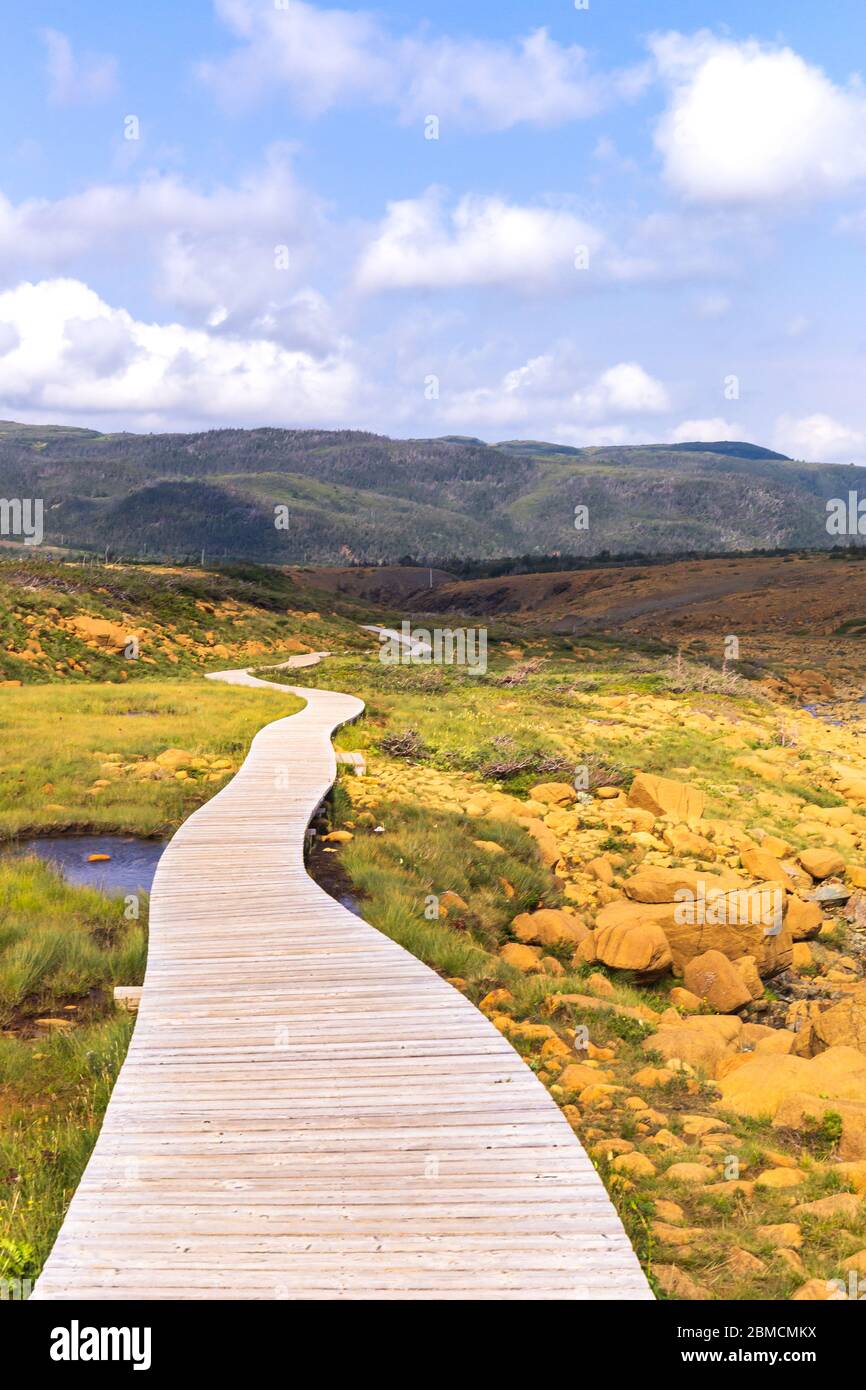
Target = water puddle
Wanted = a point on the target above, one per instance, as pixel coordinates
(130, 868)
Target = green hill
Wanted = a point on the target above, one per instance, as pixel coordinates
(351, 494)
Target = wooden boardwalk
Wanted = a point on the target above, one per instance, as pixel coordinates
(306, 1110)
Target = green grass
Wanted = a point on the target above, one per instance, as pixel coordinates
(188, 621)
(53, 1095)
(62, 950)
(61, 944)
(54, 739)
(423, 854)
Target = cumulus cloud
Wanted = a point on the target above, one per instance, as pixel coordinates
(73, 80)
(233, 256)
(819, 438)
(748, 122)
(498, 85)
(78, 356)
(707, 431)
(543, 389)
(625, 389)
(322, 58)
(480, 241)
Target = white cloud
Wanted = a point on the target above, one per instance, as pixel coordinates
(481, 241)
(211, 253)
(323, 58)
(541, 396)
(755, 123)
(78, 356)
(819, 439)
(105, 216)
(599, 436)
(625, 389)
(73, 80)
(9, 338)
(498, 85)
(707, 431)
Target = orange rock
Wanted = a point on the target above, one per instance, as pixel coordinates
(663, 796)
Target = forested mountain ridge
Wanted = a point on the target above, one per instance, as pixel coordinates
(352, 494)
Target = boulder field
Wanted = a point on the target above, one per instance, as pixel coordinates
(693, 995)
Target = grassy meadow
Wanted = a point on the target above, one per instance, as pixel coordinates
(78, 758)
(62, 951)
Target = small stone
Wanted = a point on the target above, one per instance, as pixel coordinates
(779, 1177)
(783, 1233)
(675, 1235)
(635, 1165)
(669, 1211)
(489, 846)
(691, 1173)
(677, 1284)
(821, 863)
(522, 957)
(815, 1291)
(744, 1265)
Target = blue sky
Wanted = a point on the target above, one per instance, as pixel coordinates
(634, 224)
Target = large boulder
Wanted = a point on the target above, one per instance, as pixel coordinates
(553, 793)
(716, 980)
(802, 1111)
(658, 885)
(763, 865)
(174, 758)
(549, 926)
(523, 957)
(100, 632)
(704, 1041)
(642, 948)
(759, 1087)
(739, 922)
(665, 797)
(803, 919)
(744, 922)
(842, 1025)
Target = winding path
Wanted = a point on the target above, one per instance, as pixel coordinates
(308, 1111)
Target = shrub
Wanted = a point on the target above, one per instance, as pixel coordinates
(408, 744)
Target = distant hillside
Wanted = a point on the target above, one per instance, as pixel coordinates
(353, 495)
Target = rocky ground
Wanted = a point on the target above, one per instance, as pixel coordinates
(696, 1003)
